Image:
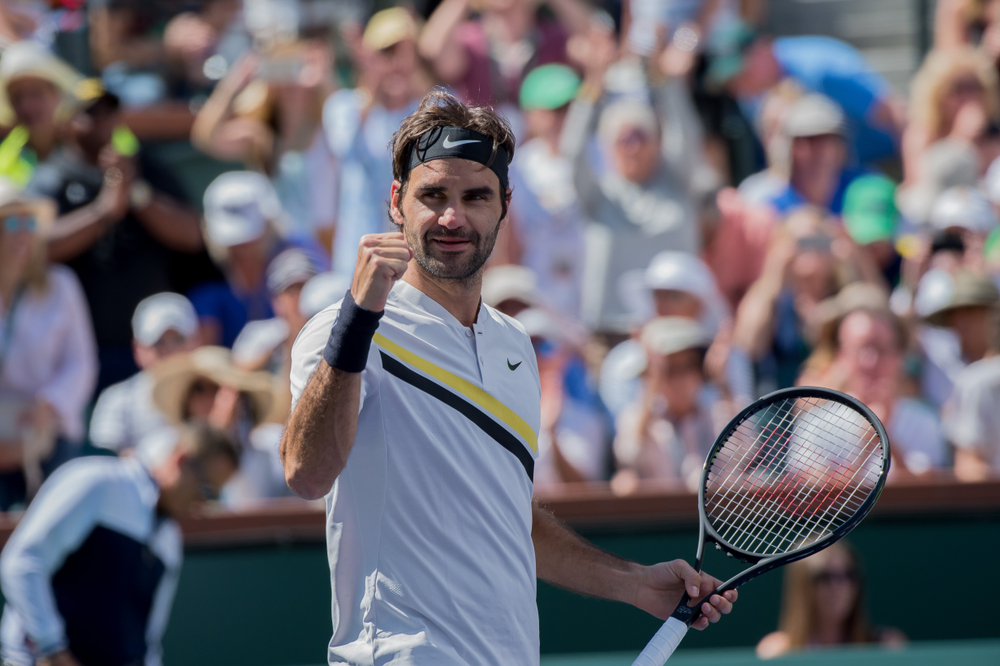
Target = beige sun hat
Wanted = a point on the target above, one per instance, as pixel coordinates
(173, 378)
(940, 292)
(832, 311)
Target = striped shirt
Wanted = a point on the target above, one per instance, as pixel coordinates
(429, 523)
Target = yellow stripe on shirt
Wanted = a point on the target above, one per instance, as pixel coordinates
(466, 388)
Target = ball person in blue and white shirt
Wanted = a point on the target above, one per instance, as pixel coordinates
(423, 443)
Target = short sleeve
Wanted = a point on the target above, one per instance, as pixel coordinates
(307, 354)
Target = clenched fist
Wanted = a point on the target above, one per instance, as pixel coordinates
(382, 259)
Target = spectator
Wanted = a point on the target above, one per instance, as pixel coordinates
(89, 574)
(667, 432)
(960, 23)
(267, 345)
(960, 310)
(267, 114)
(749, 64)
(800, 271)
(35, 83)
(644, 205)
(359, 124)
(675, 284)
(484, 60)
(866, 342)
(972, 420)
(823, 604)
(546, 232)
(204, 387)
(242, 218)
(48, 362)
(574, 436)
(818, 172)
(870, 219)
(163, 325)
(954, 95)
(121, 220)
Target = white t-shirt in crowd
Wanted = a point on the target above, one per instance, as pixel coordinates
(972, 416)
(429, 523)
(50, 350)
(125, 414)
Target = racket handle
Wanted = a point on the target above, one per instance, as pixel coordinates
(663, 644)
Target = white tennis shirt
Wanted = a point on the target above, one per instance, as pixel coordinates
(429, 523)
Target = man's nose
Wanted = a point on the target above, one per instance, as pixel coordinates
(453, 216)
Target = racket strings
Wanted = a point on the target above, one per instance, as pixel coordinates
(792, 474)
(773, 508)
(807, 521)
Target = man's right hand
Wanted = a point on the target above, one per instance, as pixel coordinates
(382, 259)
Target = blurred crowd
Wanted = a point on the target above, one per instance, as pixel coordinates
(668, 268)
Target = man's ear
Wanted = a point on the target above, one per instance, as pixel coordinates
(394, 198)
(505, 222)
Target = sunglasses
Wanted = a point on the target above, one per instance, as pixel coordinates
(14, 223)
(831, 577)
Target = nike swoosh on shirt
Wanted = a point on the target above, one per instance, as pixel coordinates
(513, 367)
(448, 143)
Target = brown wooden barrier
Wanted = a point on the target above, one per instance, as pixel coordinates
(580, 505)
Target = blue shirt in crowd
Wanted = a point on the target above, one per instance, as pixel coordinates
(836, 69)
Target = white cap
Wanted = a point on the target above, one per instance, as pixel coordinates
(160, 313)
(964, 207)
(991, 182)
(238, 207)
(813, 115)
(322, 291)
(681, 271)
(508, 282)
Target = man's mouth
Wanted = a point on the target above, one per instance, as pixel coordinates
(453, 244)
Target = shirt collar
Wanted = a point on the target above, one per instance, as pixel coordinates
(421, 301)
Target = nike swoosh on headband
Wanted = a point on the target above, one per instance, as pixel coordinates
(448, 143)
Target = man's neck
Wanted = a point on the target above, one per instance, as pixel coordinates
(459, 297)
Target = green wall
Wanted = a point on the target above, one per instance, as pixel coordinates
(271, 605)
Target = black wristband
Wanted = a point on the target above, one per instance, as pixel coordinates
(351, 336)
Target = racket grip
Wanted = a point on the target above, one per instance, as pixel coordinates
(663, 644)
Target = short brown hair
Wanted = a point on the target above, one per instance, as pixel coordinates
(442, 109)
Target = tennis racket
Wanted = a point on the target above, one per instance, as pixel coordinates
(790, 475)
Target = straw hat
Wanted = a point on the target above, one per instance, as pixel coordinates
(940, 292)
(174, 377)
(832, 311)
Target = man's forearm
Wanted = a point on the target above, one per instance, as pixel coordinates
(171, 223)
(566, 560)
(321, 431)
(74, 233)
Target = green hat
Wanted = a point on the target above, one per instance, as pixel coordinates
(549, 87)
(870, 209)
(727, 44)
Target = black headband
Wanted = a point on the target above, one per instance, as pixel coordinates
(442, 142)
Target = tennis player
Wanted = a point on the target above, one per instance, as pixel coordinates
(416, 417)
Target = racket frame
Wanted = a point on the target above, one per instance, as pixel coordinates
(763, 564)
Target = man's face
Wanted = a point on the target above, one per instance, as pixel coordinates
(93, 129)
(816, 156)
(394, 67)
(636, 153)
(169, 344)
(193, 481)
(450, 215)
(34, 102)
(286, 306)
(870, 356)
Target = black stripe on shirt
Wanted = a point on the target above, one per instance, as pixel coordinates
(474, 414)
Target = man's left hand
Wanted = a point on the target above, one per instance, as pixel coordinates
(661, 586)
